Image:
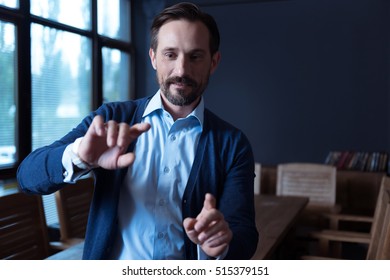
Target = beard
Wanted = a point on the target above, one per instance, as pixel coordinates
(181, 98)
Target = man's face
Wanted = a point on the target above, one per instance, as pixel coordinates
(183, 61)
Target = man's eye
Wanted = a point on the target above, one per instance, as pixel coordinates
(196, 56)
(170, 55)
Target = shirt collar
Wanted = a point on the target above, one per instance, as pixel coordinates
(156, 104)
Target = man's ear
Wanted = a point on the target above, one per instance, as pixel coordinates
(152, 56)
(215, 61)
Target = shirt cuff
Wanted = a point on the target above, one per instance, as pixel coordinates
(203, 256)
(70, 160)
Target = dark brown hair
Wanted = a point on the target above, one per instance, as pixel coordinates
(190, 12)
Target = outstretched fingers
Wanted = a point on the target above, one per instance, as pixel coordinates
(105, 143)
(97, 126)
(128, 134)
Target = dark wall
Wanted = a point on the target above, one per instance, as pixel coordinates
(299, 77)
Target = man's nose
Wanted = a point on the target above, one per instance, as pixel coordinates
(182, 66)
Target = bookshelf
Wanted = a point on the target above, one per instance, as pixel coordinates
(359, 161)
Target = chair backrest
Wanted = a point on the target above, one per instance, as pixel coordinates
(379, 248)
(316, 181)
(23, 231)
(73, 203)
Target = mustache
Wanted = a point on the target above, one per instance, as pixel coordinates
(182, 80)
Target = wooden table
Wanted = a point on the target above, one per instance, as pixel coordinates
(275, 215)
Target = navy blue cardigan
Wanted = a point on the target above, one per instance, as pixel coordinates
(223, 166)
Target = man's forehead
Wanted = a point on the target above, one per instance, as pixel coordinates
(178, 32)
(183, 25)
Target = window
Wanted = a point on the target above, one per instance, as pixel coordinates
(10, 3)
(59, 60)
(112, 23)
(115, 83)
(8, 90)
(61, 82)
(72, 13)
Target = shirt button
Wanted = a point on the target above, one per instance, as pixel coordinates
(166, 170)
(173, 138)
(160, 235)
(161, 202)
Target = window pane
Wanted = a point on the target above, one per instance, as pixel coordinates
(114, 19)
(116, 76)
(61, 82)
(74, 13)
(8, 78)
(10, 3)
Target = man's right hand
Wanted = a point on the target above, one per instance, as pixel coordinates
(105, 144)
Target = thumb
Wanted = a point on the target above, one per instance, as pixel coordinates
(209, 202)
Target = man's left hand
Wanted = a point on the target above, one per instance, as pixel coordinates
(209, 229)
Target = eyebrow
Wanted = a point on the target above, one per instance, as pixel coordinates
(192, 51)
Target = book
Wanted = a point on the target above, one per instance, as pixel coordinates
(359, 161)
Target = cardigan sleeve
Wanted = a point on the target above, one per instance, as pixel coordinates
(237, 203)
(42, 172)
(224, 167)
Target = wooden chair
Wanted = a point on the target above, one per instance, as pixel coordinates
(73, 204)
(378, 240)
(23, 231)
(257, 180)
(315, 181)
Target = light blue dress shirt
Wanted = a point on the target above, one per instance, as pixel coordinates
(150, 214)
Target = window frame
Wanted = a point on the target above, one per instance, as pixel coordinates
(22, 19)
